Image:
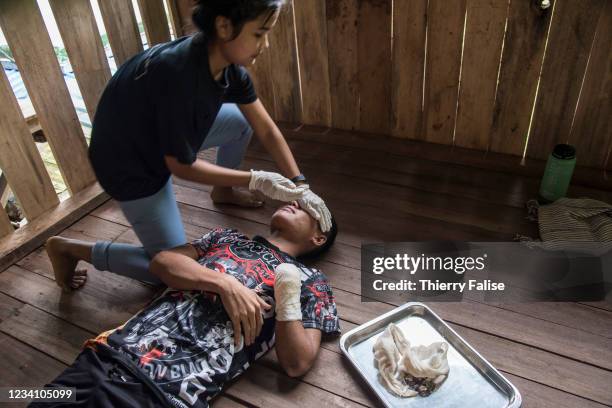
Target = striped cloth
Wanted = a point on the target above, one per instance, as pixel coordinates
(572, 223)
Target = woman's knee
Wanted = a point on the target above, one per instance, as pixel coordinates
(231, 128)
(237, 123)
(243, 126)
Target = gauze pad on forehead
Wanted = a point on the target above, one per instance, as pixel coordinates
(287, 289)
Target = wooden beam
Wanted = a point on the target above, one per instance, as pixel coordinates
(121, 28)
(35, 233)
(77, 25)
(20, 160)
(24, 29)
(155, 21)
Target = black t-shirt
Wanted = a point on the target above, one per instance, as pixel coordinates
(183, 342)
(161, 102)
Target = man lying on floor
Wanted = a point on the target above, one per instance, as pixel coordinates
(180, 350)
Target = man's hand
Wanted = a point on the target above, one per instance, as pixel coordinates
(275, 186)
(244, 307)
(287, 290)
(316, 207)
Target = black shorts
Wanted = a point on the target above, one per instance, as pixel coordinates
(103, 381)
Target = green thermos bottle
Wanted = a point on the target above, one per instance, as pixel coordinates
(558, 173)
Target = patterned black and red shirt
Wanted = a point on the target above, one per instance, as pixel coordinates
(184, 340)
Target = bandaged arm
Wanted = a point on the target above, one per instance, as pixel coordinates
(296, 347)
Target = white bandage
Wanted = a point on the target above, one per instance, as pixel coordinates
(287, 289)
(316, 208)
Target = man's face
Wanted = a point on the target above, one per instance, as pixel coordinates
(293, 220)
(251, 42)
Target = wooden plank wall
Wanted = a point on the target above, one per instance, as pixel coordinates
(342, 16)
(25, 32)
(592, 126)
(19, 159)
(77, 25)
(444, 38)
(285, 75)
(484, 35)
(121, 28)
(493, 75)
(21, 164)
(569, 44)
(408, 63)
(311, 31)
(374, 65)
(155, 21)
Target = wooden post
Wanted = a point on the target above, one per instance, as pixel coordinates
(25, 33)
(6, 228)
(77, 24)
(19, 158)
(121, 28)
(184, 9)
(4, 190)
(175, 18)
(155, 21)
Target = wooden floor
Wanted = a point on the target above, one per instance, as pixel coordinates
(557, 355)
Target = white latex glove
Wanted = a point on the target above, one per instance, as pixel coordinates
(316, 207)
(275, 186)
(287, 289)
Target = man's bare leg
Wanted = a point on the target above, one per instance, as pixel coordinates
(230, 195)
(65, 254)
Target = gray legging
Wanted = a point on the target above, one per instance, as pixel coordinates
(156, 219)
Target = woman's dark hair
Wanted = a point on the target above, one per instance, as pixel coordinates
(239, 12)
(318, 251)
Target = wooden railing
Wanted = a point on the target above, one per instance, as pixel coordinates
(21, 164)
(494, 75)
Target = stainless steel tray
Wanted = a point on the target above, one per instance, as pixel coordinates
(472, 380)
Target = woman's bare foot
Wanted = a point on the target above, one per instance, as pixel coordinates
(67, 276)
(229, 195)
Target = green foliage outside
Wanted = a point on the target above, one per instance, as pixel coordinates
(5, 52)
